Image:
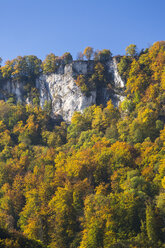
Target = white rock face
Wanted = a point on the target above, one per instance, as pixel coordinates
(117, 78)
(14, 88)
(118, 83)
(61, 89)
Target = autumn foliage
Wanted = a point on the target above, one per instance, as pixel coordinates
(98, 182)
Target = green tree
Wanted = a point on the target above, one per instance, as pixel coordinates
(66, 58)
(88, 52)
(131, 50)
(96, 215)
(151, 224)
(124, 66)
(81, 82)
(103, 55)
(63, 219)
(51, 63)
(26, 69)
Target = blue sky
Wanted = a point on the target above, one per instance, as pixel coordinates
(40, 27)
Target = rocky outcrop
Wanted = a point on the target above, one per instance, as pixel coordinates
(119, 83)
(61, 91)
(11, 88)
(64, 95)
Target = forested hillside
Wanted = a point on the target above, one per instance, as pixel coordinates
(96, 183)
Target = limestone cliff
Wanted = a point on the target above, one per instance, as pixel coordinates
(65, 96)
(61, 91)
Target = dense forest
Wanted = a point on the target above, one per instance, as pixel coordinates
(98, 182)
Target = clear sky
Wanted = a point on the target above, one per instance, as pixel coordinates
(40, 27)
